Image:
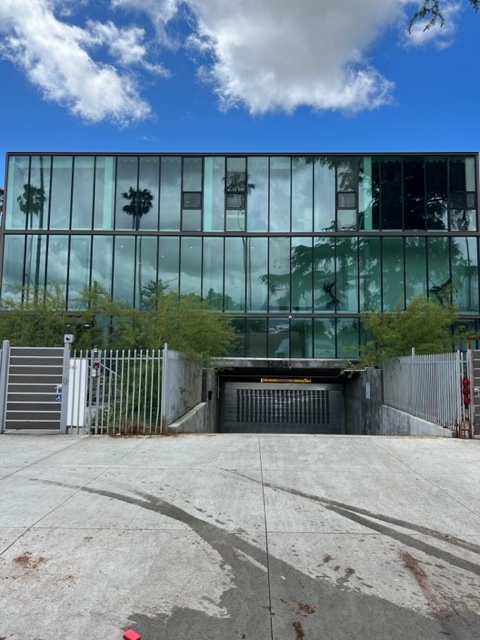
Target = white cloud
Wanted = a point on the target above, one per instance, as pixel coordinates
(54, 57)
(264, 55)
(279, 54)
(125, 44)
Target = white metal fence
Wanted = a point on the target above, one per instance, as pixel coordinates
(428, 387)
(112, 392)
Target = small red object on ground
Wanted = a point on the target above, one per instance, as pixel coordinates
(132, 635)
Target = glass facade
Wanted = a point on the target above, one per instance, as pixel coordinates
(293, 247)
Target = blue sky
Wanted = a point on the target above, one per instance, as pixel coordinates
(211, 75)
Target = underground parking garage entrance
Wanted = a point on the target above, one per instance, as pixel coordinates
(296, 397)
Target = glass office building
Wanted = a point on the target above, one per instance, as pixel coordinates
(293, 246)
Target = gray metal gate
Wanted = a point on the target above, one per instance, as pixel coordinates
(282, 408)
(34, 387)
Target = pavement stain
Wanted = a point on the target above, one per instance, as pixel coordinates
(243, 601)
(303, 607)
(27, 561)
(378, 523)
(297, 625)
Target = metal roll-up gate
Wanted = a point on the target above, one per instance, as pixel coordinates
(282, 408)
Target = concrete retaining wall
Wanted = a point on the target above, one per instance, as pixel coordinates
(363, 403)
(398, 423)
(195, 421)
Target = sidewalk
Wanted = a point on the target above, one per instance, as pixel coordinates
(230, 537)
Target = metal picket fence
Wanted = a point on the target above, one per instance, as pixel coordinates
(115, 392)
(427, 387)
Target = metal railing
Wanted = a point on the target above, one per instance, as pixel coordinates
(427, 387)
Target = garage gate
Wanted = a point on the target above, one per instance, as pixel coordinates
(282, 408)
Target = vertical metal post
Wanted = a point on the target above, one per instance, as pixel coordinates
(163, 399)
(4, 365)
(67, 341)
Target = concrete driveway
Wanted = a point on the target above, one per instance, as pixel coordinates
(230, 537)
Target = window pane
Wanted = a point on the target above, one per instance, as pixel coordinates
(437, 192)
(324, 199)
(213, 272)
(302, 275)
(102, 262)
(302, 194)
(391, 193)
(461, 219)
(347, 174)
(256, 338)
(35, 262)
(393, 274)
(13, 271)
(347, 274)
(104, 192)
(57, 260)
(192, 174)
(414, 193)
(348, 338)
(82, 206)
(368, 184)
(126, 195)
(169, 262)
(40, 170)
(462, 174)
(465, 273)
(192, 200)
(146, 272)
(17, 179)
(235, 220)
(278, 338)
(257, 274)
(280, 194)
(191, 266)
(235, 262)
(439, 280)
(124, 269)
(415, 267)
(279, 274)
(170, 185)
(148, 185)
(258, 194)
(213, 194)
(325, 295)
(238, 347)
(346, 220)
(61, 192)
(370, 274)
(324, 340)
(79, 272)
(301, 338)
(191, 220)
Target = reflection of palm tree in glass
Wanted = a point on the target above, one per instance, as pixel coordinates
(140, 203)
(32, 202)
(237, 188)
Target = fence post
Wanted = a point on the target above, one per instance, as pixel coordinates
(163, 396)
(5, 360)
(67, 341)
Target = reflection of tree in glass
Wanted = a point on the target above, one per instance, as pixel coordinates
(313, 272)
(237, 188)
(140, 203)
(32, 202)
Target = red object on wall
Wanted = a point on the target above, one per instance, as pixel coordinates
(132, 635)
(466, 391)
